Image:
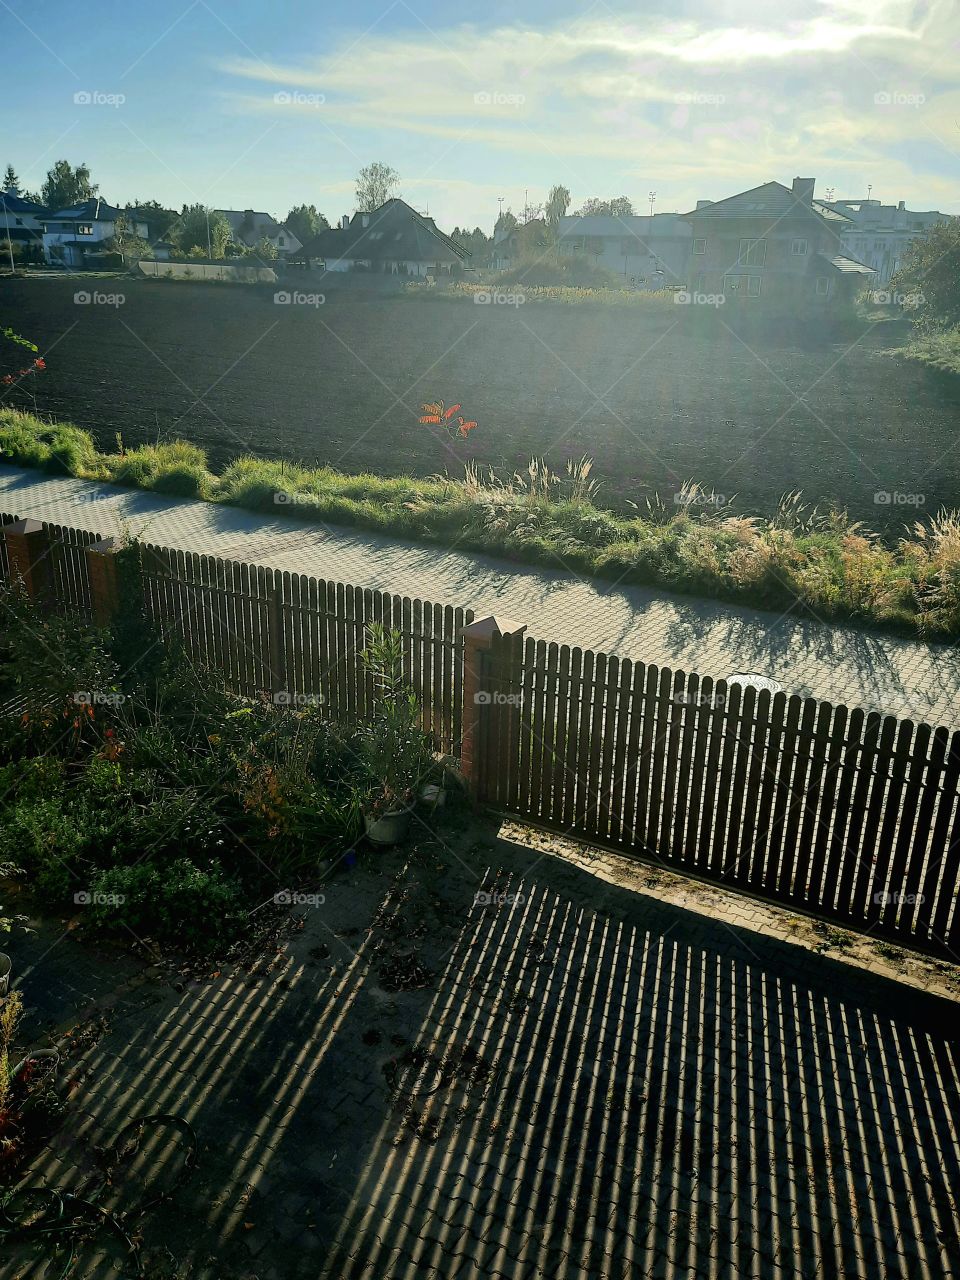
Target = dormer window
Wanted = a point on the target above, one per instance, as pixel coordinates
(84, 228)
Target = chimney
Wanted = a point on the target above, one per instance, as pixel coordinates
(344, 222)
(803, 189)
(703, 204)
(902, 205)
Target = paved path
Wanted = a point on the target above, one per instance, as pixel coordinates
(839, 664)
(588, 1083)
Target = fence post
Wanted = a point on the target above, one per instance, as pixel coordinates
(104, 585)
(29, 559)
(479, 710)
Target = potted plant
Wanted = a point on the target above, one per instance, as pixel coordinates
(396, 751)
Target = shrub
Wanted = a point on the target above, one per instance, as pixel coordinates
(198, 906)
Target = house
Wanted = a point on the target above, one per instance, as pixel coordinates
(775, 246)
(650, 252)
(21, 222)
(880, 234)
(75, 236)
(248, 228)
(392, 240)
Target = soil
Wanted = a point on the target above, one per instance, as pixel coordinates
(654, 399)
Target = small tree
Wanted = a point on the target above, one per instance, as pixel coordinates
(375, 185)
(126, 242)
(558, 202)
(305, 222)
(11, 182)
(201, 228)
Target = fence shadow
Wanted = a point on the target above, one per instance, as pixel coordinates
(655, 1093)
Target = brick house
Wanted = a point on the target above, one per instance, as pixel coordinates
(773, 247)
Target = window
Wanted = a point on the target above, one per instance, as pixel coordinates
(879, 244)
(375, 235)
(745, 286)
(84, 229)
(823, 285)
(280, 241)
(18, 222)
(699, 246)
(752, 253)
(798, 248)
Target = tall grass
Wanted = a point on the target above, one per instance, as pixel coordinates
(814, 560)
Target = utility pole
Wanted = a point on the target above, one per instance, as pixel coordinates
(6, 219)
(209, 250)
(653, 201)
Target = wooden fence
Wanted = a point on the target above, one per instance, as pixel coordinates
(846, 814)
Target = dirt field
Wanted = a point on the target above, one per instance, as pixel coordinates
(653, 398)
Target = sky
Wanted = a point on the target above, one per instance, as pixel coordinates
(268, 105)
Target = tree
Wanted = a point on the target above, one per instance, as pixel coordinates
(263, 250)
(558, 202)
(929, 277)
(11, 182)
(203, 229)
(504, 225)
(375, 186)
(618, 207)
(65, 186)
(126, 242)
(305, 222)
(158, 218)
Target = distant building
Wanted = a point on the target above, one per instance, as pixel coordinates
(392, 240)
(21, 222)
(880, 234)
(515, 241)
(78, 234)
(776, 247)
(649, 252)
(248, 228)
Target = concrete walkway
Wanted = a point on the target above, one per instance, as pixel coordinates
(839, 664)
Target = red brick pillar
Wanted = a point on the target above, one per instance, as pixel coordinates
(104, 585)
(29, 559)
(478, 694)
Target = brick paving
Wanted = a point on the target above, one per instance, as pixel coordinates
(592, 1083)
(838, 664)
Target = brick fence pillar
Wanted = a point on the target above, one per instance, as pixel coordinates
(104, 584)
(29, 559)
(478, 703)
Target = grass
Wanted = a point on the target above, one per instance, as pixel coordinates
(516, 291)
(820, 561)
(940, 351)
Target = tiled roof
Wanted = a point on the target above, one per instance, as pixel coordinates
(394, 233)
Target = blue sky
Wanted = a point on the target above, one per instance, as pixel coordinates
(271, 104)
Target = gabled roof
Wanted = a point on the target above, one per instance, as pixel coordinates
(394, 233)
(642, 226)
(92, 210)
(16, 204)
(771, 200)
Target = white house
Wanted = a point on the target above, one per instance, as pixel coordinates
(248, 228)
(21, 222)
(71, 236)
(880, 234)
(649, 252)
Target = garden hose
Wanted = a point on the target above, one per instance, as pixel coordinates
(61, 1214)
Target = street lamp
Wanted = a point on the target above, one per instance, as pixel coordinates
(653, 200)
(6, 219)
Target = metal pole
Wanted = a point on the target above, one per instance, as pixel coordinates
(6, 219)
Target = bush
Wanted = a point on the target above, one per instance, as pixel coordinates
(184, 903)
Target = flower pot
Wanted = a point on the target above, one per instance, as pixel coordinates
(387, 829)
(5, 970)
(44, 1063)
(433, 795)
